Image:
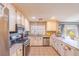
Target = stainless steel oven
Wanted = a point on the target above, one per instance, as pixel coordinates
(26, 48)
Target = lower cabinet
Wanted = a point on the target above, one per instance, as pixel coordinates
(76, 53)
(36, 40)
(60, 48)
(63, 48)
(16, 50)
(68, 50)
(19, 52)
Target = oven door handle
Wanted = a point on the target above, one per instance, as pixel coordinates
(26, 44)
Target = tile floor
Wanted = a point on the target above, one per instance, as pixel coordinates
(42, 51)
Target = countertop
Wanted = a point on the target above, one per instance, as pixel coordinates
(73, 43)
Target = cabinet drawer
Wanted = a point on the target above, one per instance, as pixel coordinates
(13, 54)
(19, 52)
(68, 51)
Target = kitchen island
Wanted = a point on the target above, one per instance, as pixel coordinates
(65, 46)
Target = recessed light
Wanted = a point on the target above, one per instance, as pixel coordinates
(33, 17)
(53, 17)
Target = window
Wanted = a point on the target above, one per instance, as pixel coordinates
(38, 28)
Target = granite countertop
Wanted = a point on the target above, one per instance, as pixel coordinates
(69, 41)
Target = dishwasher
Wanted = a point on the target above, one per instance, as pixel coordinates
(46, 41)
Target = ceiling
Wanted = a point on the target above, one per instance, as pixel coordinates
(62, 11)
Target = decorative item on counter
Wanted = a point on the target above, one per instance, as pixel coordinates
(58, 33)
(49, 33)
(72, 34)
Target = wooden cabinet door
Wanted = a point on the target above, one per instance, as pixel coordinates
(76, 51)
(61, 48)
(68, 51)
(12, 19)
(52, 25)
(19, 52)
(36, 41)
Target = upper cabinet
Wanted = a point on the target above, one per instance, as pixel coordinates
(12, 18)
(23, 20)
(52, 25)
(27, 25)
(18, 18)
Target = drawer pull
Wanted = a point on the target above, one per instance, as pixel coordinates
(20, 49)
(67, 47)
(61, 44)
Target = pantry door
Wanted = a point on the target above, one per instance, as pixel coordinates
(37, 30)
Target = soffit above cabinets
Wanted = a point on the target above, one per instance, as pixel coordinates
(65, 12)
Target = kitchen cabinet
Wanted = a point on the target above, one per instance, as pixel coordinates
(18, 18)
(19, 52)
(52, 25)
(12, 19)
(16, 50)
(68, 50)
(23, 20)
(76, 52)
(63, 48)
(36, 40)
(27, 25)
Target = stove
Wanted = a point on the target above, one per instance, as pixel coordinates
(26, 47)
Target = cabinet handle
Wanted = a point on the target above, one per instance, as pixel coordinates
(20, 49)
(67, 47)
(61, 44)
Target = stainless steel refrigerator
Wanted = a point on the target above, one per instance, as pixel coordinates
(4, 45)
(4, 31)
